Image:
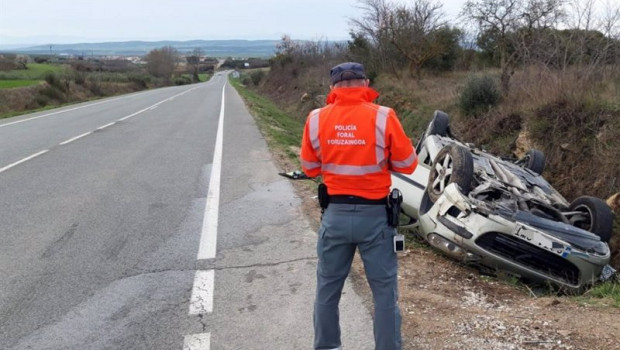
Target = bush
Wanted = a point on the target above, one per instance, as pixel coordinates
(182, 80)
(52, 93)
(140, 80)
(257, 76)
(41, 100)
(479, 94)
(95, 87)
(246, 81)
(79, 77)
(52, 79)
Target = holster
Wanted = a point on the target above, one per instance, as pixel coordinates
(323, 196)
(395, 198)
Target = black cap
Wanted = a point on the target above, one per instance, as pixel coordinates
(347, 71)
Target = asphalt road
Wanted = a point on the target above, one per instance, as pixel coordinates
(103, 208)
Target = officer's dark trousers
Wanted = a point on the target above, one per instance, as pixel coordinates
(343, 228)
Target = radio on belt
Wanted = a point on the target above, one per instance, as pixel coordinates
(395, 198)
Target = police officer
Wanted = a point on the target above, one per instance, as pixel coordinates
(354, 144)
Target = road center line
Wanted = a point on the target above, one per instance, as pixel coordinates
(197, 342)
(81, 107)
(23, 160)
(201, 301)
(155, 105)
(105, 126)
(76, 138)
(208, 235)
(86, 133)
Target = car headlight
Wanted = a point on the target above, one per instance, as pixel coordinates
(446, 246)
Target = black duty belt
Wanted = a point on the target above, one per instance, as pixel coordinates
(346, 199)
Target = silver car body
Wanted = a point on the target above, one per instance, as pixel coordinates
(495, 234)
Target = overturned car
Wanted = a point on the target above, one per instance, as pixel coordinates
(501, 214)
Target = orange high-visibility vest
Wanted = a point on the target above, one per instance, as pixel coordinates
(354, 143)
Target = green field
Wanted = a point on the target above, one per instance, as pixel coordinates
(7, 84)
(35, 71)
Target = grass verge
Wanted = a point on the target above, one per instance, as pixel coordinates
(604, 294)
(282, 131)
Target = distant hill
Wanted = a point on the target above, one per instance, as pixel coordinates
(214, 48)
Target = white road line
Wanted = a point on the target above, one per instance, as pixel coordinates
(105, 126)
(155, 105)
(133, 114)
(208, 235)
(76, 138)
(201, 301)
(23, 160)
(197, 342)
(86, 133)
(59, 112)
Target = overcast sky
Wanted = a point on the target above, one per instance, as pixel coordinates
(70, 21)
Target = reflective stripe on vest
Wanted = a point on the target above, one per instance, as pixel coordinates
(351, 169)
(314, 132)
(380, 126)
(310, 165)
(381, 122)
(405, 163)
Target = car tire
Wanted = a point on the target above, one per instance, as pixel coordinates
(535, 161)
(439, 125)
(597, 216)
(453, 164)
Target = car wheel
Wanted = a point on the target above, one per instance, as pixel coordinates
(594, 215)
(534, 160)
(439, 125)
(453, 164)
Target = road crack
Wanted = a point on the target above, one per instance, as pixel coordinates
(239, 267)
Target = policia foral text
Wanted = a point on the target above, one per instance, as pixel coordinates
(354, 144)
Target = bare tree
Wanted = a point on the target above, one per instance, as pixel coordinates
(372, 29)
(162, 62)
(193, 63)
(498, 18)
(517, 26)
(403, 35)
(414, 30)
(593, 38)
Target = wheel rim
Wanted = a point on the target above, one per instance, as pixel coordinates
(443, 170)
(583, 221)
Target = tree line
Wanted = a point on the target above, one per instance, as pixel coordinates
(414, 38)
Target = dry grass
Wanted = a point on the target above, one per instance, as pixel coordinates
(17, 100)
(536, 86)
